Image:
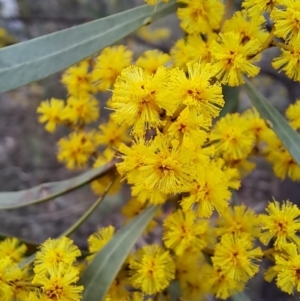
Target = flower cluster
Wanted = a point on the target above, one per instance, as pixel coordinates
(171, 146)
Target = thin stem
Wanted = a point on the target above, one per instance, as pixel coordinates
(173, 118)
(282, 45)
(87, 214)
(266, 44)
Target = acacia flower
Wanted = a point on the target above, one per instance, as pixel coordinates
(168, 169)
(75, 150)
(231, 135)
(112, 135)
(202, 16)
(255, 8)
(109, 65)
(9, 273)
(138, 101)
(192, 131)
(182, 230)
(232, 58)
(286, 19)
(150, 60)
(51, 113)
(239, 220)
(13, 248)
(281, 223)
(99, 239)
(77, 80)
(209, 191)
(287, 267)
(55, 252)
(247, 28)
(151, 269)
(60, 284)
(289, 61)
(292, 113)
(220, 284)
(236, 257)
(195, 90)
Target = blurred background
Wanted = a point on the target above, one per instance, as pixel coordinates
(28, 152)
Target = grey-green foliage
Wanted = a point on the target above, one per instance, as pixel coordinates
(289, 137)
(101, 272)
(38, 58)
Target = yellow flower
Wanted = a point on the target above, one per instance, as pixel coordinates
(55, 252)
(151, 269)
(109, 65)
(231, 135)
(150, 60)
(133, 158)
(144, 194)
(256, 7)
(51, 113)
(287, 267)
(192, 49)
(209, 191)
(111, 134)
(292, 113)
(247, 28)
(284, 165)
(138, 100)
(83, 110)
(168, 169)
(75, 150)
(99, 185)
(233, 58)
(77, 80)
(13, 248)
(220, 284)
(59, 284)
(182, 230)
(195, 91)
(256, 124)
(287, 19)
(153, 35)
(281, 223)
(99, 239)
(236, 257)
(289, 61)
(202, 16)
(238, 220)
(9, 273)
(190, 130)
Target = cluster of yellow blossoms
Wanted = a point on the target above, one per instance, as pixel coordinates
(170, 146)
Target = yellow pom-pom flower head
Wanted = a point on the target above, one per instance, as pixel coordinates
(151, 269)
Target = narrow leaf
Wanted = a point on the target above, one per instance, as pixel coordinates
(74, 226)
(38, 58)
(101, 272)
(48, 191)
(289, 137)
(174, 290)
(231, 97)
(240, 297)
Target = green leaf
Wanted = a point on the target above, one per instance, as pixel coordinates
(240, 297)
(231, 97)
(174, 290)
(101, 272)
(289, 137)
(38, 58)
(74, 226)
(48, 191)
